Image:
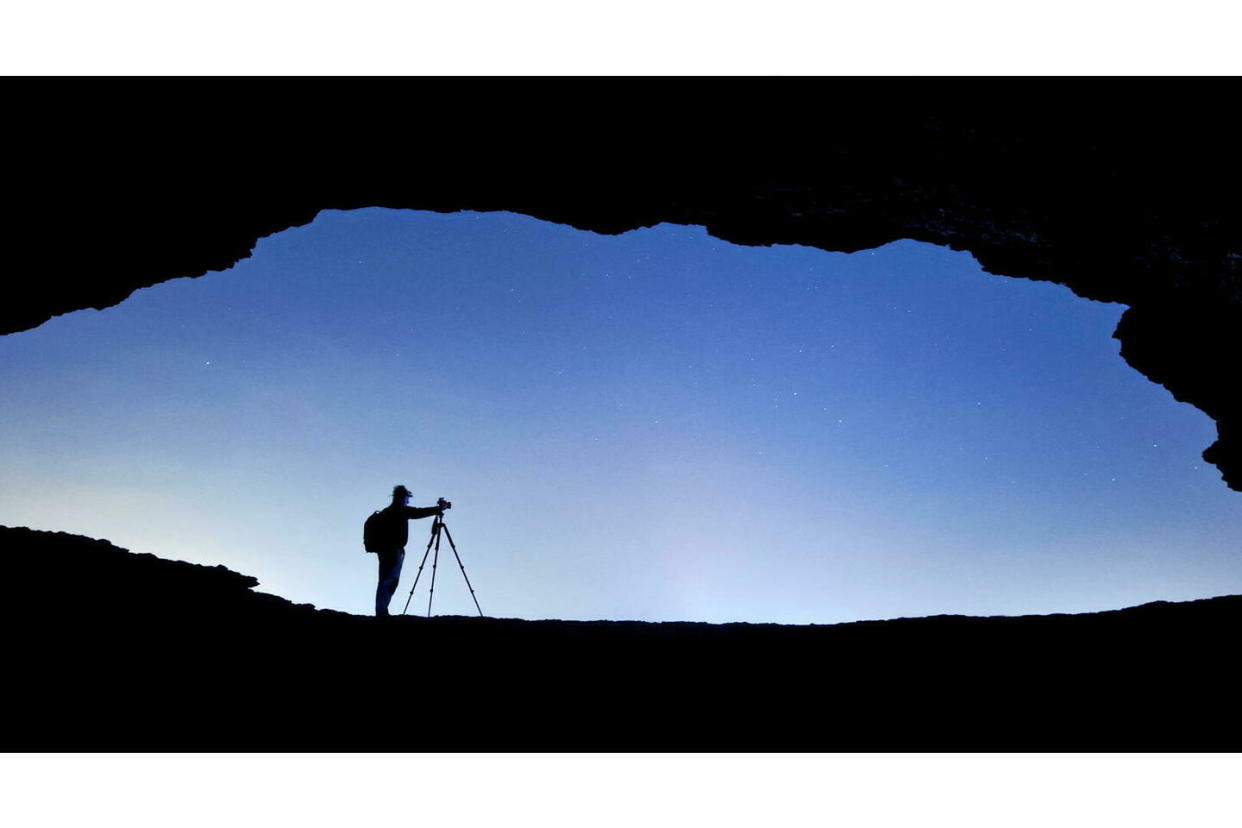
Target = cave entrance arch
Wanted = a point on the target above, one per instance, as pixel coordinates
(672, 329)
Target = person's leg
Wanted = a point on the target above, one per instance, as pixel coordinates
(389, 576)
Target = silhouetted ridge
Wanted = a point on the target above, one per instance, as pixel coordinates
(112, 649)
(94, 576)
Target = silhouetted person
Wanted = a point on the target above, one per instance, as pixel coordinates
(394, 532)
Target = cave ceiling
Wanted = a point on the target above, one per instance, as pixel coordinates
(1122, 189)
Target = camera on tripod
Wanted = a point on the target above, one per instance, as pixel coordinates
(438, 528)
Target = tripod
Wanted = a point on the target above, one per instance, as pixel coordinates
(438, 527)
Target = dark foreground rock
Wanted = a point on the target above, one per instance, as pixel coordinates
(108, 650)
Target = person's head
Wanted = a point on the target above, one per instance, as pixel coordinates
(401, 495)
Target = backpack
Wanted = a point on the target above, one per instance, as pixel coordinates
(375, 532)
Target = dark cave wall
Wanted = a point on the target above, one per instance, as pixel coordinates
(1121, 189)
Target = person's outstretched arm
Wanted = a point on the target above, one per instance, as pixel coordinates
(415, 512)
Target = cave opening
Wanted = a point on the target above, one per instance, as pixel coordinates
(655, 426)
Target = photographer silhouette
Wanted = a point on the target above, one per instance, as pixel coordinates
(386, 533)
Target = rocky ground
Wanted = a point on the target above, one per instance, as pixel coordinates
(110, 650)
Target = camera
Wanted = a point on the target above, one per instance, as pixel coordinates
(444, 504)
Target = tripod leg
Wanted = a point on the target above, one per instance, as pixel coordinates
(434, 563)
(435, 533)
(449, 535)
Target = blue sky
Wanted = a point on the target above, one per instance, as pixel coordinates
(657, 426)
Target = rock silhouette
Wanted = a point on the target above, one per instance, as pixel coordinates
(1122, 189)
(110, 650)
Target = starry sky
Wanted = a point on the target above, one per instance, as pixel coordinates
(656, 426)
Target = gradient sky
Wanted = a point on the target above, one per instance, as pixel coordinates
(656, 426)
